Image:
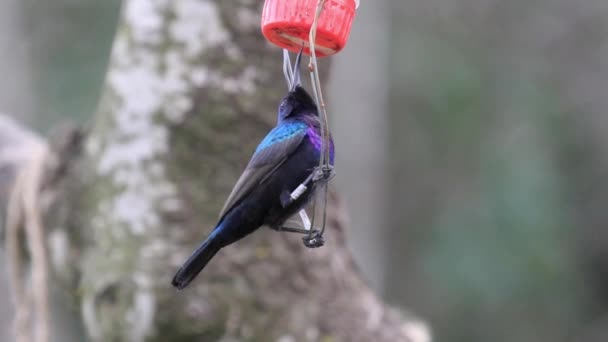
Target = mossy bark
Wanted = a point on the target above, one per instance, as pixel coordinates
(192, 87)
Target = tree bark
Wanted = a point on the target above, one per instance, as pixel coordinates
(192, 87)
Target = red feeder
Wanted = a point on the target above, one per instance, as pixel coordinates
(287, 24)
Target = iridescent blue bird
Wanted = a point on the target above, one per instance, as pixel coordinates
(284, 159)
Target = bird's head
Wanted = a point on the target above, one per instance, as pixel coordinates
(297, 101)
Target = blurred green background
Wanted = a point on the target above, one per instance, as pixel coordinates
(478, 192)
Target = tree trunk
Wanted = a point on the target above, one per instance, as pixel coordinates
(192, 87)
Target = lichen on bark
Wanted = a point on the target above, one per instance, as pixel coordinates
(159, 57)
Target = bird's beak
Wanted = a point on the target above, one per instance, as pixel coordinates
(296, 70)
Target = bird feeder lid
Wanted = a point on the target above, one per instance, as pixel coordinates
(287, 23)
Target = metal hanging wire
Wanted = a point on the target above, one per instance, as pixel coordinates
(316, 84)
(324, 171)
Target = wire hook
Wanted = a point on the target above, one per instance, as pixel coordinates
(325, 171)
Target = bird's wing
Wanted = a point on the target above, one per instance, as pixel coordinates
(273, 151)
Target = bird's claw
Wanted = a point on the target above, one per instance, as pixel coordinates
(314, 240)
(292, 230)
(324, 173)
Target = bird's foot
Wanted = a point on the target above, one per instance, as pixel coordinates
(323, 173)
(293, 230)
(313, 239)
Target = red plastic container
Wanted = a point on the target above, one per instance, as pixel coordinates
(287, 23)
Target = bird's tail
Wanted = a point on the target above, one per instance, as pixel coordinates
(196, 262)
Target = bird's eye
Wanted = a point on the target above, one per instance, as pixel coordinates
(282, 105)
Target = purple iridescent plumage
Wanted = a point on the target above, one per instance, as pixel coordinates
(315, 138)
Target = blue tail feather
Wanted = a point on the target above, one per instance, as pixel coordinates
(197, 261)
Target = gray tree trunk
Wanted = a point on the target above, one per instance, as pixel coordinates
(191, 89)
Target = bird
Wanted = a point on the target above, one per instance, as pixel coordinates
(283, 160)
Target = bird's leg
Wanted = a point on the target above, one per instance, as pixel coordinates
(305, 222)
(313, 238)
(286, 198)
(323, 174)
(293, 230)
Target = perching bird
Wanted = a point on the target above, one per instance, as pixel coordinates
(284, 159)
